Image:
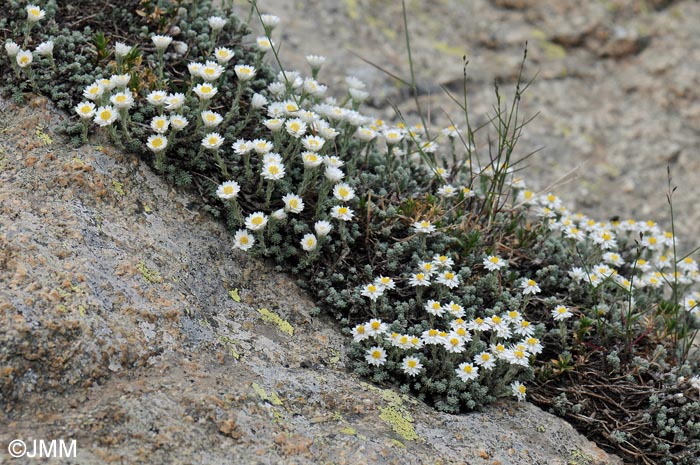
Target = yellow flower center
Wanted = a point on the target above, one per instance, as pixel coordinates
(412, 363)
(376, 325)
(106, 114)
(377, 354)
(343, 192)
(160, 123)
(121, 98)
(361, 329)
(244, 240)
(522, 389)
(343, 210)
(433, 332)
(485, 357)
(228, 189)
(257, 221)
(157, 143)
(372, 288)
(468, 369)
(531, 282)
(496, 320)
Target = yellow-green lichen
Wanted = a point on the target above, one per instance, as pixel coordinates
(271, 317)
(395, 414)
(43, 137)
(118, 187)
(234, 295)
(397, 443)
(271, 397)
(151, 276)
(228, 342)
(576, 457)
(349, 430)
(400, 421)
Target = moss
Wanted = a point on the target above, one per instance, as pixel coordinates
(271, 317)
(349, 430)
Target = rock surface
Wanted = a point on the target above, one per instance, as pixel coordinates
(128, 324)
(617, 93)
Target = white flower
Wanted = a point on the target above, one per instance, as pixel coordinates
(106, 83)
(156, 143)
(174, 101)
(11, 48)
(262, 146)
(343, 192)
(423, 227)
(309, 242)
(161, 42)
(216, 23)
(315, 61)
(212, 141)
(244, 72)
(354, 83)
(494, 263)
(274, 124)
(385, 282)
(393, 136)
(85, 110)
(561, 313)
(258, 101)
(293, 203)
(45, 49)
(119, 80)
(211, 119)
(195, 69)
(434, 308)
(276, 88)
(411, 366)
(372, 291)
(517, 356)
(322, 228)
(205, 91)
(122, 100)
(242, 146)
(121, 50)
(359, 333)
(157, 98)
(311, 159)
(273, 171)
(104, 116)
(333, 174)
(243, 240)
(358, 95)
(223, 55)
(264, 44)
(529, 286)
(455, 309)
(34, 13)
(178, 122)
(443, 261)
(24, 58)
(485, 360)
(256, 221)
(519, 390)
(228, 190)
(211, 71)
(467, 371)
(160, 124)
(419, 279)
(334, 161)
(342, 213)
(447, 191)
(365, 134)
(376, 356)
(313, 143)
(272, 157)
(270, 21)
(375, 327)
(296, 128)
